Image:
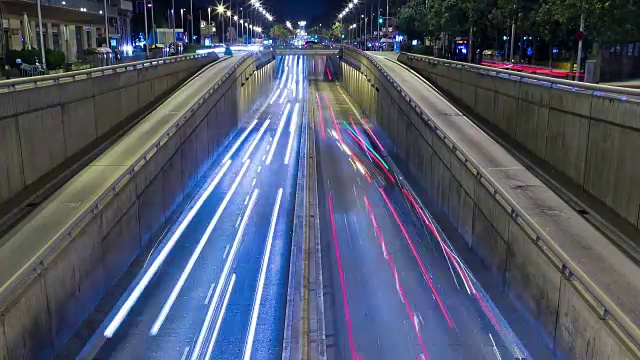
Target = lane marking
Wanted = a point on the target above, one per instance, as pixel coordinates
(206, 301)
(237, 144)
(223, 311)
(155, 265)
(184, 353)
(495, 348)
(203, 240)
(246, 200)
(221, 281)
(257, 139)
(253, 183)
(226, 251)
(263, 272)
(278, 132)
(260, 167)
(292, 132)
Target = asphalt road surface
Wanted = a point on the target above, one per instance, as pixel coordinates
(394, 286)
(216, 286)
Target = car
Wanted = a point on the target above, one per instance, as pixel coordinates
(310, 44)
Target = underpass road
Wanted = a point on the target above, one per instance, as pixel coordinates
(220, 292)
(394, 286)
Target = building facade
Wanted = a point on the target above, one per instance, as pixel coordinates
(67, 25)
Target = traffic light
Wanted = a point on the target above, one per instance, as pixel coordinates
(342, 36)
(379, 20)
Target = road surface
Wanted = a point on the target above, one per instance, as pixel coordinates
(216, 286)
(394, 287)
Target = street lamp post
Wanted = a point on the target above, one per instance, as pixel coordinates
(191, 20)
(44, 60)
(229, 14)
(173, 21)
(106, 24)
(153, 25)
(220, 11)
(209, 24)
(146, 29)
(182, 19)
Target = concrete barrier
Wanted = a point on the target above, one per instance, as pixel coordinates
(58, 264)
(45, 121)
(566, 275)
(588, 134)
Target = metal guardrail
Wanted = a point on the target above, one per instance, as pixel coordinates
(46, 80)
(45, 255)
(569, 268)
(616, 92)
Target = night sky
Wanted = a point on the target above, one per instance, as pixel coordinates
(315, 12)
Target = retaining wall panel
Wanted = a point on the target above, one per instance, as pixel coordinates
(28, 335)
(78, 89)
(612, 172)
(37, 98)
(3, 342)
(42, 142)
(571, 101)
(150, 209)
(531, 279)
(120, 246)
(115, 208)
(507, 114)
(580, 332)
(172, 183)
(78, 124)
(11, 171)
(532, 123)
(74, 281)
(106, 112)
(566, 148)
(490, 248)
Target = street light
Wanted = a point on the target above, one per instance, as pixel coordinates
(220, 10)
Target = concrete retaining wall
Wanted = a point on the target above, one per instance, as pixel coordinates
(591, 140)
(523, 266)
(37, 321)
(41, 127)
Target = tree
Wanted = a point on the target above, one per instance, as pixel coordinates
(335, 32)
(280, 32)
(412, 19)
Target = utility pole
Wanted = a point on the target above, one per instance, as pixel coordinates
(153, 25)
(378, 21)
(513, 35)
(580, 48)
(44, 61)
(173, 20)
(146, 29)
(106, 25)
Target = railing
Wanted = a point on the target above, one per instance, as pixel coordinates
(620, 93)
(46, 80)
(569, 268)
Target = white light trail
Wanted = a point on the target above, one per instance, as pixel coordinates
(223, 276)
(157, 262)
(263, 272)
(203, 241)
(278, 132)
(223, 310)
(244, 135)
(257, 139)
(292, 132)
